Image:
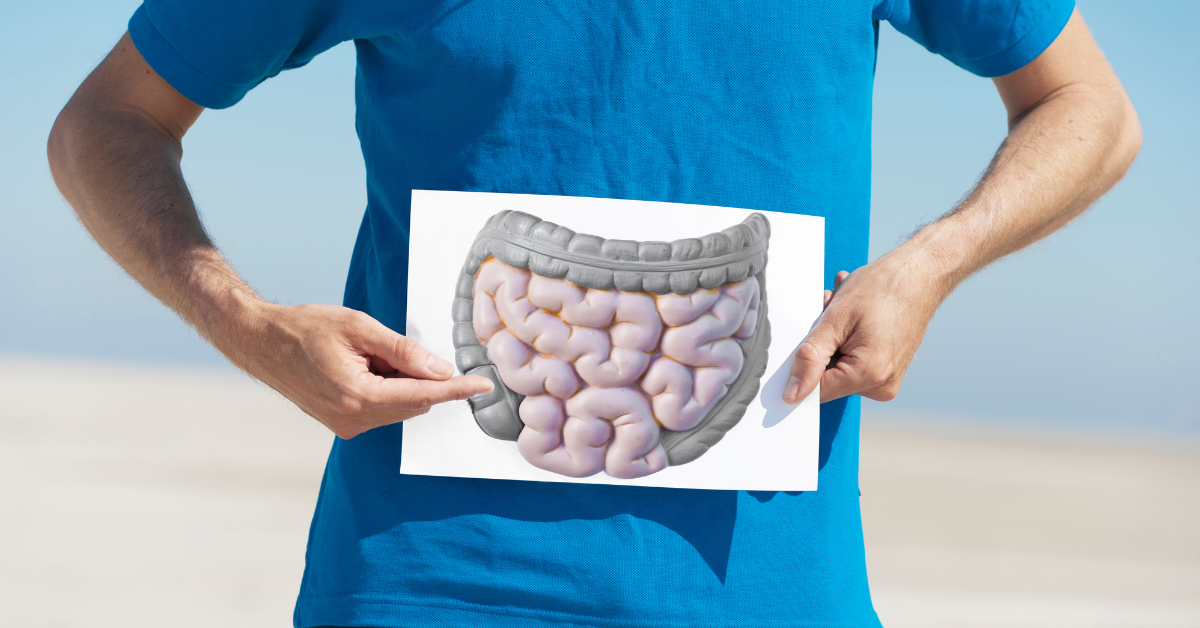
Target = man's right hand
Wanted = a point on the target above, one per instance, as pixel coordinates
(344, 368)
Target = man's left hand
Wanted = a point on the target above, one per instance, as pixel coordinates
(874, 320)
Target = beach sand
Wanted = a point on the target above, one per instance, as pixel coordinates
(974, 526)
(141, 496)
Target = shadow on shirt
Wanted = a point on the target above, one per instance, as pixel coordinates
(704, 519)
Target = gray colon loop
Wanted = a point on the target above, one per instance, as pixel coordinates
(729, 264)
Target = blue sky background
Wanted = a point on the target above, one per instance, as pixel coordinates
(1097, 326)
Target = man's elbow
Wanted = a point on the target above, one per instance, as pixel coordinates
(1128, 138)
(1132, 135)
(58, 146)
(68, 146)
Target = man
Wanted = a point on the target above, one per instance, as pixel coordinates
(759, 105)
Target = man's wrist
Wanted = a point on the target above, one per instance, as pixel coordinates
(940, 255)
(222, 307)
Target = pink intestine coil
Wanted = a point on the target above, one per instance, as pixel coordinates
(588, 358)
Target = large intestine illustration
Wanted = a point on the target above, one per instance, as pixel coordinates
(612, 355)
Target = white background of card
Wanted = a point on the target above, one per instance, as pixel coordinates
(751, 456)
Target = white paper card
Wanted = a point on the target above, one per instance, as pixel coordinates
(774, 447)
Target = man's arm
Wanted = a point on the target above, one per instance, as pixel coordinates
(115, 152)
(1072, 135)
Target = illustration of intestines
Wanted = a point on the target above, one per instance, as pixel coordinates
(603, 379)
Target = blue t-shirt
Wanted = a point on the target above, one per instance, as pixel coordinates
(760, 104)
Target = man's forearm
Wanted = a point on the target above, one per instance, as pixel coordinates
(1061, 154)
(119, 170)
(1056, 161)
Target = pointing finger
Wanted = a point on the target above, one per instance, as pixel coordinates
(416, 394)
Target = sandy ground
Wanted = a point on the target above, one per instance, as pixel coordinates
(974, 527)
(150, 497)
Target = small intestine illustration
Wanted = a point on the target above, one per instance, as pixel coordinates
(612, 356)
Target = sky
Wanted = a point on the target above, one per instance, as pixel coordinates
(1096, 326)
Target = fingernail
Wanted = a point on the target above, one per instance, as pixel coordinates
(792, 391)
(438, 365)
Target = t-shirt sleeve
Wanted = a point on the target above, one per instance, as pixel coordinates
(985, 37)
(215, 51)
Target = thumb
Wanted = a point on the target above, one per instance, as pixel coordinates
(403, 353)
(811, 358)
